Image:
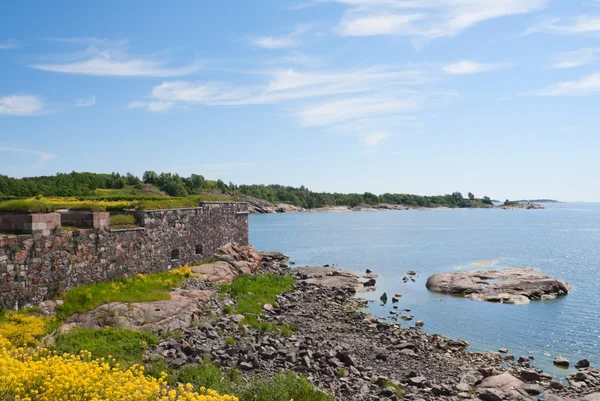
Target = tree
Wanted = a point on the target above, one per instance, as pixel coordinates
(471, 196)
(487, 200)
(506, 202)
(150, 177)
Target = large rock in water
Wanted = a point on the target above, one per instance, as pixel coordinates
(510, 286)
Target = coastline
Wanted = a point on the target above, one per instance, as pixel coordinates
(338, 346)
(256, 206)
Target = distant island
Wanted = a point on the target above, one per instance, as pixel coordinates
(114, 192)
(538, 201)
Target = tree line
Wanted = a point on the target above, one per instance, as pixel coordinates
(84, 184)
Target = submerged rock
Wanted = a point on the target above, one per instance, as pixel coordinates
(510, 286)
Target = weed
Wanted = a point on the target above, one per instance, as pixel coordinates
(125, 346)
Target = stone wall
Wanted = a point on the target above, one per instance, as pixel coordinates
(43, 223)
(39, 266)
(85, 219)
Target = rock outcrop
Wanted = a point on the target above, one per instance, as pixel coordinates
(511, 286)
(334, 278)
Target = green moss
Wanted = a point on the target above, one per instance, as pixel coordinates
(125, 346)
(231, 341)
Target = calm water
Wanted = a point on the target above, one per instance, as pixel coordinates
(563, 240)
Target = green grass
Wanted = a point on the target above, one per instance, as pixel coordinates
(119, 221)
(252, 292)
(153, 287)
(282, 387)
(125, 346)
(26, 206)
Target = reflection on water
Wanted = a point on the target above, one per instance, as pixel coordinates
(563, 242)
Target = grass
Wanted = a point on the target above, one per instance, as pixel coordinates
(120, 221)
(251, 293)
(141, 288)
(26, 206)
(282, 387)
(109, 203)
(126, 347)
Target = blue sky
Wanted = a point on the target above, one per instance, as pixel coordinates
(497, 97)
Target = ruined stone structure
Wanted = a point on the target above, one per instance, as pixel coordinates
(49, 259)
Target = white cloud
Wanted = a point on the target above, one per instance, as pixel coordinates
(375, 138)
(280, 42)
(21, 105)
(340, 111)
(575, 58)
(470, 67)
(427, 19)
(589, 85)
(270, 42)
(583, 24)
(360, 102)
(9, 44)
(87, 102)
(105, 58)
(42, 156)
(159, 106)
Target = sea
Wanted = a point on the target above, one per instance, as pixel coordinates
(562, 240)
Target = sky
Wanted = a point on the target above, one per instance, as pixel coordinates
(497, 97)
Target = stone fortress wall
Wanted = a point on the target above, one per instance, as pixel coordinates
(50, 258)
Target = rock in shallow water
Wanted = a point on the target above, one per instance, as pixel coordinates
(511, 286)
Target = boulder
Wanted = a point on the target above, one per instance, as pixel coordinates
(503, 382)
(170, 315)
(219, 272)
(584, 363)
(243, 257)
(511, 286)
(561, 361)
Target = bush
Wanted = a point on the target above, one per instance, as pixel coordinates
(42, 375)
(126, 347)
(22, 330)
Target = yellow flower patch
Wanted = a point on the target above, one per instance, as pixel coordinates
(29, 375)
(21, 330)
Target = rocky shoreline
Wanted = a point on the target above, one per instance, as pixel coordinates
(335, 344)
(260, 206)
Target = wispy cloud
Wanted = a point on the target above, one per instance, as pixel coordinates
(575, 58)
(359, 101)
(9, 44)
(427, 19)
(40, 155)
(279, 42)
(583, 24)
(588, 85)
(339, 111)
(375, 138)
(104, 58)
(21, 105)
(471, 67)
(87, 102)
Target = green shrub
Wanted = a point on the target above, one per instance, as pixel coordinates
(125, 346)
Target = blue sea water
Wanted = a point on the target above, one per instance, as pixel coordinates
(562, 240)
